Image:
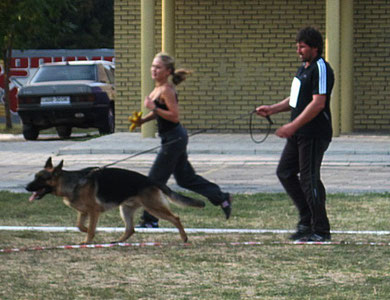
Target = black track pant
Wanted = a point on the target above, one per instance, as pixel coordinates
(173, 159)
(303, 156)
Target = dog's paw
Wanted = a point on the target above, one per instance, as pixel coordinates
(82, 228)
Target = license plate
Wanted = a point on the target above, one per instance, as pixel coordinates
(55, 100)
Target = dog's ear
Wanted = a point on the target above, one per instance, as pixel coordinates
(49, 164)
(58, 169)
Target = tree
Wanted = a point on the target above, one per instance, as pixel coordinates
(89, 25)
(20, 21)
(94, 26)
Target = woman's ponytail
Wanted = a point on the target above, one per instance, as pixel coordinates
(180, 75)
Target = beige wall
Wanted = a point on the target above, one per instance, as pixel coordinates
(372, 65)
(242, 53)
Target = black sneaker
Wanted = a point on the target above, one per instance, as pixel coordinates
(147, 225)
(302, 232)
(315, 237)
(227, 206)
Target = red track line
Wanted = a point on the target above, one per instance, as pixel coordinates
(157, 244)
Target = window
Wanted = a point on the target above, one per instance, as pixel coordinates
(64, 73)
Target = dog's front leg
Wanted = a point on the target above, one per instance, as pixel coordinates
(93, 219)
(127, 214)
(81, 217)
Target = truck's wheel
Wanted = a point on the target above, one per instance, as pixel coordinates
(108, 125)
(30, 132)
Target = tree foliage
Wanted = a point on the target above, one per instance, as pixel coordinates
(20, 20)
(88, 24)
(52, 24)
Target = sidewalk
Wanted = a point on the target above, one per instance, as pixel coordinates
(352, 164)
(366, 149)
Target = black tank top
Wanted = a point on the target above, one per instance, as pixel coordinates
(163, 125)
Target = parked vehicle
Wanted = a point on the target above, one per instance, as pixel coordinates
(66, 95)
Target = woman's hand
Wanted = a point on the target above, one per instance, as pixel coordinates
(136, 120)
(148, 102)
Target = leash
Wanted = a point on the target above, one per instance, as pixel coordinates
(270, 123)
(268, 131)
(141, 152)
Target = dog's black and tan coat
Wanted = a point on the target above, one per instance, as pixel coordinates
(92, 191)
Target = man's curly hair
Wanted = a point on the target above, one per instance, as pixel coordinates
(311, 37)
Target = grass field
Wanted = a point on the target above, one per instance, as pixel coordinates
(16, 128)
(210, 267)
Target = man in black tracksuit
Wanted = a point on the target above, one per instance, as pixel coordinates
(308, 136)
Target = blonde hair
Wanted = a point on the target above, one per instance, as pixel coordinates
(178, 75)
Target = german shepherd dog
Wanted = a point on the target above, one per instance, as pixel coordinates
(92, 191)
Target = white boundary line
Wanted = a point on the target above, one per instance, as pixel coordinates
(189, 230)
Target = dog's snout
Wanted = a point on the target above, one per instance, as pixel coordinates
(28, 187)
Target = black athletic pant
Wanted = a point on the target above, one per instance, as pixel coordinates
(173, 159)
(303, 156)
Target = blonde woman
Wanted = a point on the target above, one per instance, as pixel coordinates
(172, 157)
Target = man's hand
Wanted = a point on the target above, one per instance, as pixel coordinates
(286, 130)
(264, 110)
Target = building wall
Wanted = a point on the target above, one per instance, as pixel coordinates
(243, 55)
(127, 30)
(372, 65)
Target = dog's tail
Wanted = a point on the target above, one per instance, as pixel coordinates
(179, 198)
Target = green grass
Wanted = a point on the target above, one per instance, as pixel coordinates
(16, 129)
(210, 267)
